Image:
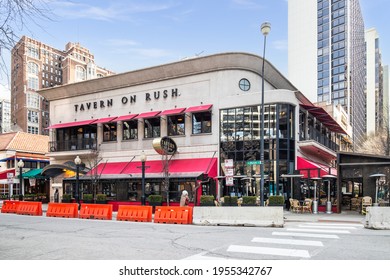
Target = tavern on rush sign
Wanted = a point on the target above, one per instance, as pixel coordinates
(128, 99)
(164, 146)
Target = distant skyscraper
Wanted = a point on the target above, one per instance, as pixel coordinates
(376, 101)
(326, 55)
(36, 65)
(5, 116)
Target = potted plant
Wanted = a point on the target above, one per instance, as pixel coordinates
(88, 198)
(66, 198)
(155, 200)
(249, 201)
(101, 198)
(230, 201)
(207, 200)
(276, 200)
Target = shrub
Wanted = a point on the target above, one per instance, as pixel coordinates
(88, 197)
(155, 198)
(101, 197)
(276, 200)
(207, 200)
(249, 200)
(66, 197)
(230, 201)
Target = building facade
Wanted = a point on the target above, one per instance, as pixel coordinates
(36, 65)
(5, 116)
(210, 108)
(31, 150)
(326, 42)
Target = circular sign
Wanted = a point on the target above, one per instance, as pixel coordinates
(164, 146)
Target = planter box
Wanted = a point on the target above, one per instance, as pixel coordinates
(207, 204)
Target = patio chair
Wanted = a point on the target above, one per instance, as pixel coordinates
(366, 201)
(297, 208)
(291, 204)
(307, 205)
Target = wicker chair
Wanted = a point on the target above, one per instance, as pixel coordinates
(366, 201)
(307, 206)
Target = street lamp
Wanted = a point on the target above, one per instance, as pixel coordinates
(77, 161)
(21, 191)
(143, 160)
(265, 29)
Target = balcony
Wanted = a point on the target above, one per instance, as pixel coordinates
(72, 145)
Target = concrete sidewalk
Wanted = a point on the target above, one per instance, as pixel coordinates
(343, 217)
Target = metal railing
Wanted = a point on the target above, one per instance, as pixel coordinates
(73, 145)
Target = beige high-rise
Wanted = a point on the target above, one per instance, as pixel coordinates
(36, 65)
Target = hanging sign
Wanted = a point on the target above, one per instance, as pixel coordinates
(164, 146)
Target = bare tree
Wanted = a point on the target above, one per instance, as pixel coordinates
(92, 161)
(18, 15)
(376, 143)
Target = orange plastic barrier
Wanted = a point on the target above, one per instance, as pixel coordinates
(9, 206)
(29, 208)
(173, 215)
(134, 213)
(96, 211)
(63, 210)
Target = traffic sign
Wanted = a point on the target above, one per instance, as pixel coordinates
(253, 162)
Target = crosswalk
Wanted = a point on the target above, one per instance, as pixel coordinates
(300, 241)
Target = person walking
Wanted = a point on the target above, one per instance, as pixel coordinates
(184, 200)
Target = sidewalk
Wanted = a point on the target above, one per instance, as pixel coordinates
(343, 217)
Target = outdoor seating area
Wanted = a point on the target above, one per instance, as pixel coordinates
(304, 206)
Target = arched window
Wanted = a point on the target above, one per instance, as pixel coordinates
(32, 68)
(80, 73)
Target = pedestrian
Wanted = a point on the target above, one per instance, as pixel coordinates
(184, 200)
(56, 196)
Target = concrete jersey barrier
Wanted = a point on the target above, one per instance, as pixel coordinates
(378, 218)
(239, 216)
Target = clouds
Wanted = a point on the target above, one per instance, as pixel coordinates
(247, 4)
(112, 10)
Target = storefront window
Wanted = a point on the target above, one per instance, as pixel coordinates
(176, 125)
(109, 132)
(152, 128)
(130, 130)
(201, 123)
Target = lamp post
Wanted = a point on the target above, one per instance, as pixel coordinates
(21, 191)
(77, 161)
(143, 160)
(265, 29)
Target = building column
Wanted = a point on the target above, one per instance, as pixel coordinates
(119, 135)
(99, 134)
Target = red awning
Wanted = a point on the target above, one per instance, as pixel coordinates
(310, 169)
(71, 124)
(154, 168)
(126, 117)
(105, 120)
(324, 118)
(147, 115)
(3, 174)
(172, 112)
(199, 108)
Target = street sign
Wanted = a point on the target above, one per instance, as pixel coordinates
(228, 163)
(253, 162)
(10, 178)
(229, 181)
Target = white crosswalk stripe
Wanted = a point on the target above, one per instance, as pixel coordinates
(326, 227)
(288, 241)
(318, 230)
(314, 235)
(269, 251)
(335, 224)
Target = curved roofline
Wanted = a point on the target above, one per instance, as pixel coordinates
(178, 69)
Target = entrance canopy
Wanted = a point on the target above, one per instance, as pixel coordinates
(154, 169)
(310, 169)
(34, 174)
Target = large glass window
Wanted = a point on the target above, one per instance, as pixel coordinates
(201, 123)
(80, 73)
(176, 125)
(32, 83)
(152, 128)
(32, 116)
(32, 68)
(130, 130)
(109, 132)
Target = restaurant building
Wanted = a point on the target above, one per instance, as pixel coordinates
(209, 107)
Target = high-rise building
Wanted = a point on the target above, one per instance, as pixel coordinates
(5, 116)
(376, 119)
(36, 65)
(386, 97)
(326, 56)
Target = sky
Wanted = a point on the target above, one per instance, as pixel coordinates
(125, 35)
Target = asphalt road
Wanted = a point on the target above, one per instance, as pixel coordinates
(44, 238)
